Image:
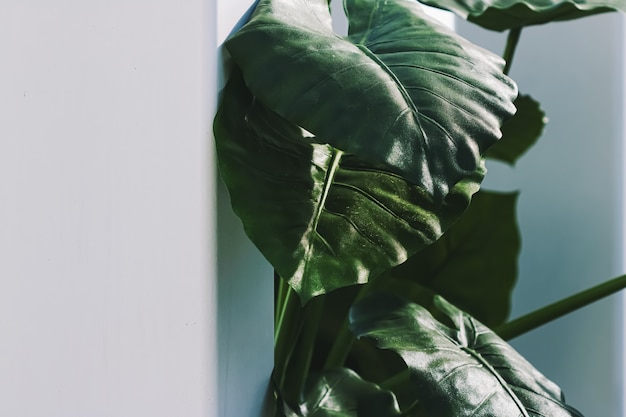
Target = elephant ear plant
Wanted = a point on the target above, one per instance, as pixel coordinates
(354, 163)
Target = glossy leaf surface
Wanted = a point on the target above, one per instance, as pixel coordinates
(507, 14)
(520, 132)
(324, 219)
(474, 264)
(457, 371)
(342, 393)
(400, 91)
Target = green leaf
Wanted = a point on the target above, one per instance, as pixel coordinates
(520, 132)
(342, 393)
(458, 371)
(474, 264)
(401, 90)
(324, 219)
(508, 14)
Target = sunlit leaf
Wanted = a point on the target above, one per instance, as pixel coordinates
(401, 90)
(507, 14)
(458, 371)
(324, 219)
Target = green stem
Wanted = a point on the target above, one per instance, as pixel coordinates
(345, 339)
(397, 382)
(341, 347)
(400, 384)
(280, 304)
(286, 330)
(511, 45)
(300, 361)
(553, 311)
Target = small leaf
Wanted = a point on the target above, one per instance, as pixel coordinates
(520, 132)
(474, 264)
(342, 393)
(460, 371)
(324, 219)
(401, 90)
(508, 14)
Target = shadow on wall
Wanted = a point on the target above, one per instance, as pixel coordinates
(245, 317)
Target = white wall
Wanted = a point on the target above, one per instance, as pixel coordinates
(571, 207)
(107, 299)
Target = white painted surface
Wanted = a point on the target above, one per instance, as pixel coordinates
(106, 252)
(571, 207)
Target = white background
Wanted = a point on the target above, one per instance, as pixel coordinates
(107, 300)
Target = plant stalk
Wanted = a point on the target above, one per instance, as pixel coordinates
(280, 304)
(300, 361)
(509, 50)
(345, 339)
(286, 329)
(341, 347)
(397, 382)
(556, 310)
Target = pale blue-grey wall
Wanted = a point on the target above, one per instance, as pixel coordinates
(571, 205)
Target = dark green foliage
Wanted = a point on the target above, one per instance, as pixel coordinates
(460, 370)
(342, 393)
(475, 263)
(390, 156)
(324, 219)
(352, 162)
(520, 132)
(508, 14)
(401, 90)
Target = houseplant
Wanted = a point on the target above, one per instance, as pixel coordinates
(348, 156)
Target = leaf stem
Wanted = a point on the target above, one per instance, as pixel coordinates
(341, 347)
(345, 339)
(398, 381)
(509, 50)
(300, 361)
(556, 310)
(280, 304)
(286, 329)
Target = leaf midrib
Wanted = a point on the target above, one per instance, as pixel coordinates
(333, 168)
(498, 377)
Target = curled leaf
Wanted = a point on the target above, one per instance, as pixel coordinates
(508, 14)
(520, 132)
(324, 219)
(460, 369)
(401, 90)
(342, 393)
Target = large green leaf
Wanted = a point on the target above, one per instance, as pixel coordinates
(401, 90)
(342, 393)
(508, 14)
(458, 371)
(474, 264)
(520, 132)
(324, 219)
